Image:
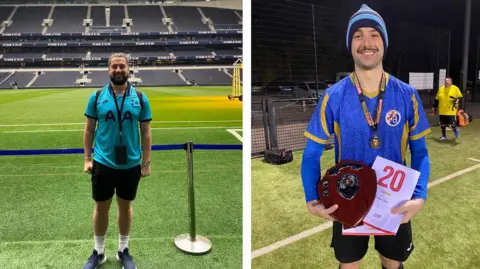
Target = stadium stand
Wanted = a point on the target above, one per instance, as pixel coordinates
(207, 77)
(147, 19)
(185, 19)
(68, 19)
(28, 19)
(58, 45)
(62, 79)
(22, 78)
(223, 19)
(162, 77)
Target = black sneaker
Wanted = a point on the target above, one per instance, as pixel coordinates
(95, 260)
(126, 260)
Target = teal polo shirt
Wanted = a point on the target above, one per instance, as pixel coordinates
(107, 133)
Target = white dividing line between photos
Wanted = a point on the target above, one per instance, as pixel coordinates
(292, 239)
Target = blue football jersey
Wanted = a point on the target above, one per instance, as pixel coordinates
(339, 115)
(107, 133)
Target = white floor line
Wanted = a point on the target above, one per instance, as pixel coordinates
(287, 241)
(234, 133)
(83, 123)
(153, 128)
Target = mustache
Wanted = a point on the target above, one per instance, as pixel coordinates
(364, 48)
(119, 74)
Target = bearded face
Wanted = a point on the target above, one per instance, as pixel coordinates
(118, 71)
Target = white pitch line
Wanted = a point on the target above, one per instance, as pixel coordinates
(154, 128)
(83, 123)
(456, 174)
(292, 239)
(234, 133)
(475, 160)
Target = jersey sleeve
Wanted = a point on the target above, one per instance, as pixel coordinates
(146, 114)
(417, 123)
(320, 126)
(90, 109)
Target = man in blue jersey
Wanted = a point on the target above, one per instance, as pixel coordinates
(117, 165)
(392, 120)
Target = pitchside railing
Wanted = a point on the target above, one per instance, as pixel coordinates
(191, 242)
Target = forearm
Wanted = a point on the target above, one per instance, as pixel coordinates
(420, 162)
(87, 143)
(147, 144)
(311, 170)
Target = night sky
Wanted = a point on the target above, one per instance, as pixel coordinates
(417, 33)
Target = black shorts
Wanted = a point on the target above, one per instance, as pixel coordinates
(350, 248)
(105, 181)
(447, 120)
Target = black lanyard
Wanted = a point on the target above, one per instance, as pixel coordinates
(119, 111)
(378, 109)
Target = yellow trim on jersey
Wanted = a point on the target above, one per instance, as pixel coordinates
(371, 94)
(403, 144)
(314, 138)
(415, 113)
(336, 128)
(420, 135)
(322, 115)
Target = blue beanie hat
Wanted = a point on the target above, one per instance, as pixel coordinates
(366, 17)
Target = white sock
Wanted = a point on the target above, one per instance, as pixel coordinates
(100, 244)
(122, 242)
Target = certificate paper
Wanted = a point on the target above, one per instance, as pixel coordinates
(395, 185)
(363, 230)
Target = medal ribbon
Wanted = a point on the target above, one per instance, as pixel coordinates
(378, 109)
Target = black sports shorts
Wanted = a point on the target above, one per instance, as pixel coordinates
(106, 181)
(350, 248)
(447, 120)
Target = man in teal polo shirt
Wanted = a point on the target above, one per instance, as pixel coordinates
(117, 166)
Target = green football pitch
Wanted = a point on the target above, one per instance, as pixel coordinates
(446, 233)
(47, 206)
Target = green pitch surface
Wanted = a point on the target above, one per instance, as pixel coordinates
(445, 233)
(47, 205)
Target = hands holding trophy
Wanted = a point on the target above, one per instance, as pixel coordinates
(352, 186)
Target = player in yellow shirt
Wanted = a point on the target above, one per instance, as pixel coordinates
(446, 101)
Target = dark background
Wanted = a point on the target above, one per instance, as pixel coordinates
(283, 38)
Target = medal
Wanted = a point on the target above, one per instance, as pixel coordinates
(375, 140)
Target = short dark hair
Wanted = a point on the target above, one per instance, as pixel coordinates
(118, 55)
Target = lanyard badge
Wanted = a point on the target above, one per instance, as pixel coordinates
(375, 140)
(120, 150)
